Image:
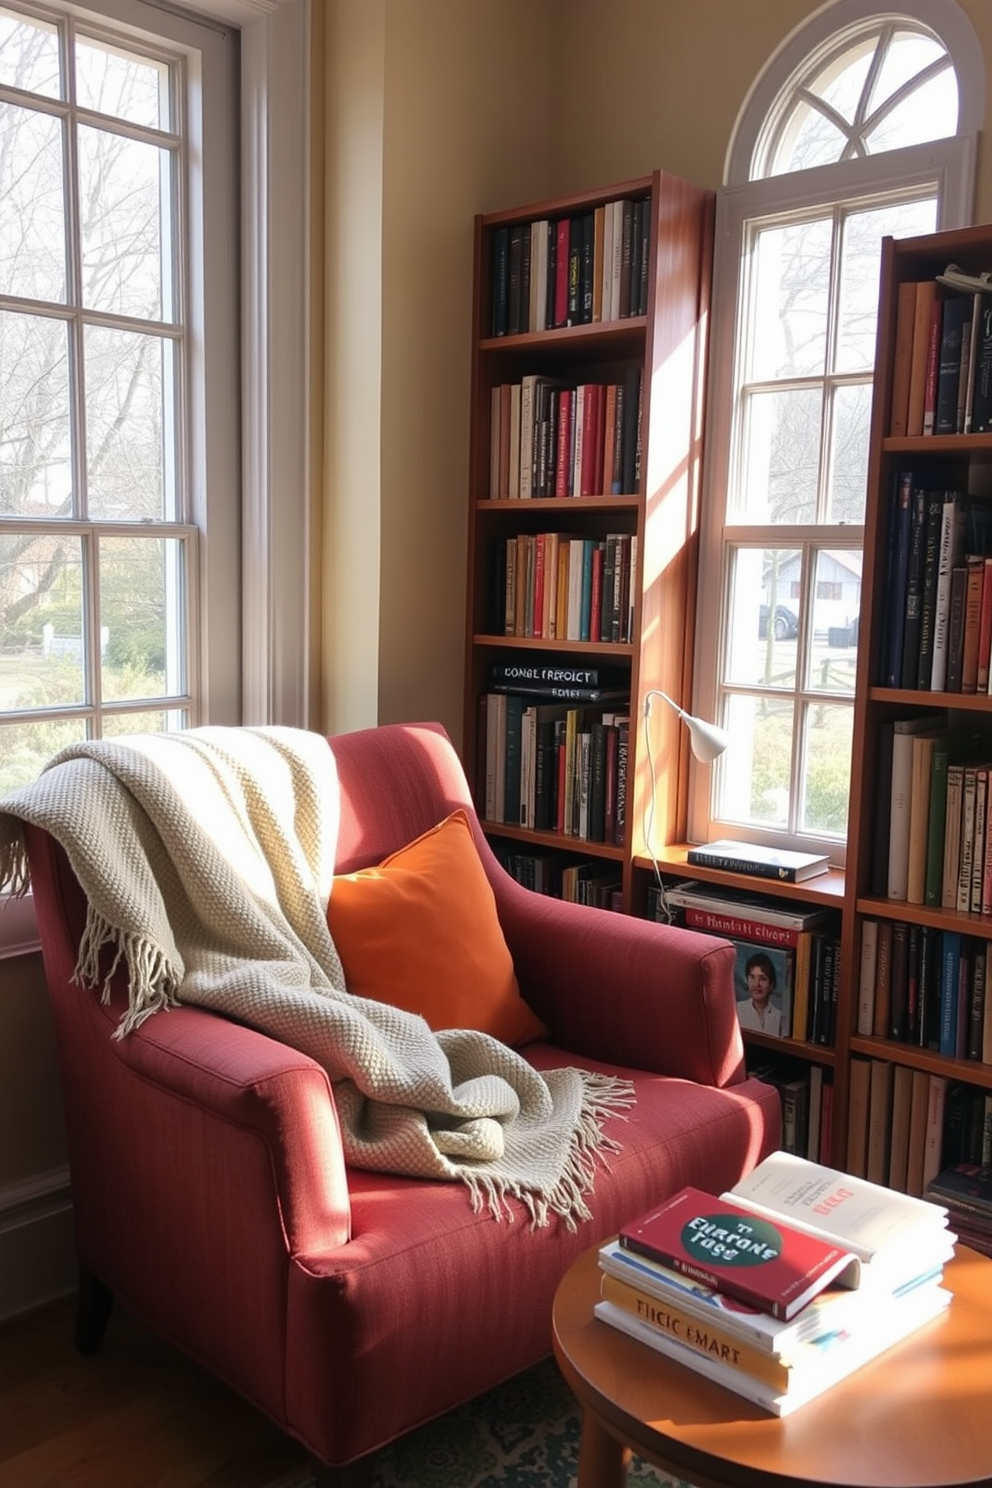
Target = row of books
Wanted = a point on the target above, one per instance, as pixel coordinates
(905, 1125)
(781, 1287)
(590, 882)
(942, 368)
(554, 768)
(927, 987)
(806, 1094)
(570, 271)
(965, 1190)
(932, 840)
(557, 586)
(547, 438)
(937, 631)
(797, 950)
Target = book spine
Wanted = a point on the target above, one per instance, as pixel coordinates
(714, 922)
(740, 865)
(730, 1287)
(703, 1337)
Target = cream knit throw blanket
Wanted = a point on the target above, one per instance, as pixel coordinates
(207, 859)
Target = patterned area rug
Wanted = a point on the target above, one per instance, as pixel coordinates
(523, 1434)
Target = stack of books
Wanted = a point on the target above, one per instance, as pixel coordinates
(965, 1190)
(783, 1286)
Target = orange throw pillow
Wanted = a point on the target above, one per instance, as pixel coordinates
(420, 932)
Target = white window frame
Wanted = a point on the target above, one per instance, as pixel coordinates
(272, 664)
(946, 167)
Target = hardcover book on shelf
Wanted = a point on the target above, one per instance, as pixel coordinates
(733, 911)
(764, 1262)
(758, 861)
(764, 977)
(852, 1352)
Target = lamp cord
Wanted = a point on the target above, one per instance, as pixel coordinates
(648, 819)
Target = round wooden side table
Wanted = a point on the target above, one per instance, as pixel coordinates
(918, 1416)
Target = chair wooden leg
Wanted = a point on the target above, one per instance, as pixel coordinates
(355, 1475)
(94, 1301)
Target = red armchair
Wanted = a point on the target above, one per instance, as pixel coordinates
(210, 1191)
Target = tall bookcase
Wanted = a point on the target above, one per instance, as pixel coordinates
(652, 339)
(932, 463)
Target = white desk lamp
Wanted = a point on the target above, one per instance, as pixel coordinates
(707, 742)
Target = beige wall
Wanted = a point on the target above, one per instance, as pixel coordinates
(665, 84)
(473, 120)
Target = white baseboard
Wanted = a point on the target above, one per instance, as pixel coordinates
(37, 1249)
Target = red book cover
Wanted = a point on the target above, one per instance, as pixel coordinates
(592, 444)
(596, 601)
(563, 457)
(740, 927)
(768, 1265)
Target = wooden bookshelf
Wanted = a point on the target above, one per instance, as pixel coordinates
(937, 463)
(661, 338)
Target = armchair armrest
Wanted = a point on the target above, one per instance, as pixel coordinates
(236, 1075)
(632, 991)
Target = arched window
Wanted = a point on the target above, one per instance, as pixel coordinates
(861, 126)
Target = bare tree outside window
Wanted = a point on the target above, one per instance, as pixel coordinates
(789, 416)
(96, 554)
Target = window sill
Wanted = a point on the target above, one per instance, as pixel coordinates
(18, 928)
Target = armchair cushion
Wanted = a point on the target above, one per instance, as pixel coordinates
(420, 931)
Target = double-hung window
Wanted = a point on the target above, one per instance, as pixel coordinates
(111, 465)
(863, 138)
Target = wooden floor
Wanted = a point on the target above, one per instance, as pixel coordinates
(136, 1414)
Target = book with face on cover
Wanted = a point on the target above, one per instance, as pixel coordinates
(754, 1258)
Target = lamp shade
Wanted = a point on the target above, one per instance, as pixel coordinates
(707, 740)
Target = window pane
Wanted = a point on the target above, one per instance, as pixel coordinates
(782, 440)
(150, 721)
(842, 81)
(141, 613)
(836, 610)
(35, 453)
(124, 84)
(827, 777)
(41, 621)
(930, 113)
(792, 287)
(907, 55)
(129, 381)
(849, 453)
(25, 748)
(32, 225)
(861, 253)
(29, 55)
(764, 616)
(753, 776)
(123, 190)
(811, 139)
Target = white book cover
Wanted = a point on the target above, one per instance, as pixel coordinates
(872, 1221)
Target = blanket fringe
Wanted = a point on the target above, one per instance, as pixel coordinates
(603, 1095)
(151, 978)
(14, 877)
